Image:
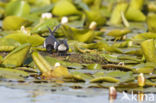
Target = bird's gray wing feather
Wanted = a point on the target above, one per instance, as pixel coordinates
(52, 34)
(56, 28)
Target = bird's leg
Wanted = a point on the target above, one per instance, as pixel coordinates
(62, 53)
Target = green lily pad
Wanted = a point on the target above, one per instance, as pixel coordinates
(122, 76)
(134, 12)
(41, 63)
(145, 67)
(135, 15)
(107, 85)
(123, 44)
(118, 33)
(94, 66)
(104, 46)
(95, 15)
(149, 50)
(52, 61)
(145, 36)
(34, 40)
(151, 22)
(1, 58)
(17, 56)
(13, 22)
(116, 14)
(78, 34)
(137, 4)
(104, 79)
(43, 25)
(17, 8)
(145, 70)
(64, 8)
(12, 74)
(7, 48)
(42, 9)
(81, 75)
(129, 57)
(117, 67)
(98, 74)
(8, 42)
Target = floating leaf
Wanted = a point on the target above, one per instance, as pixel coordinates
(151, 22)
(52, 61)
(117, 67)
(127, 86)
(43, 24)
(135, 15)
(78, 34)
(137, 4)
(1, 58)
(104, 79)
(151, 7)
(145, 36)
(12, 74)
(7, 48)
(134, 12)
(64, 8)
(79, 76)
(19, 37)
(145, 70)
(149, 50)
(8, 42)
(59, 72)
(94, 66)
(96, 16)
(35, 40)
(104, 46)
(116, 14)
(118, 33)
(41, 63)
(98, 74)
(145, 67)
(133, 50)
(123, 76)
(39, 3)
(17, 8)
(129, 57)
(81, 4)
(17, 56)
(13, 22)
(88, 1)
(43, 9)
(149, 83)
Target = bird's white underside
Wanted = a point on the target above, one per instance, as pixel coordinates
(44, 45)
(62, 47)
(55, 43)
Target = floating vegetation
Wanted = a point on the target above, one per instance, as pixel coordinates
(112, 44)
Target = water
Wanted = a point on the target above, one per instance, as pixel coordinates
(32, 93)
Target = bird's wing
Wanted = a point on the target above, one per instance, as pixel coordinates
(56, 28)
(52, 34)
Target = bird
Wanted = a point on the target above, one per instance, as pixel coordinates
(51, 43)
(62, 47)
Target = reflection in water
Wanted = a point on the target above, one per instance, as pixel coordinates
(140, 97)
(112, 94)
(92, 95)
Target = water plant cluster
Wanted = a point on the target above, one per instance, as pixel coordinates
(111, 43)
